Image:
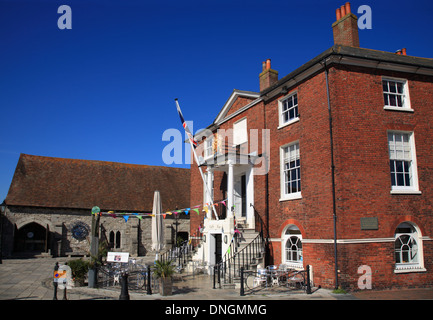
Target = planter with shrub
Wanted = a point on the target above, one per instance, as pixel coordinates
(79, 269)
(164, 270)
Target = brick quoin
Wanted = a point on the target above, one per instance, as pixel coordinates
(362, 183)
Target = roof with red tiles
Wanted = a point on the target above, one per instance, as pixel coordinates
(82, 184)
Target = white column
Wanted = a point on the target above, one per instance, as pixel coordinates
(230, 190)
(208, 197)
(250, 197)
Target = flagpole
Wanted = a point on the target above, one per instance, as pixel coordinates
(198, 165)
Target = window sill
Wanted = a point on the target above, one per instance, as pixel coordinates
(409, 270)
(294, 265)
(294, 196)
(405, 192)
(398, 109)
(294, 120)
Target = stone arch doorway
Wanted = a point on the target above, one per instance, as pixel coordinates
(31, 238)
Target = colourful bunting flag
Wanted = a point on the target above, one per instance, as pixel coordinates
(206, 208)
(96, 210)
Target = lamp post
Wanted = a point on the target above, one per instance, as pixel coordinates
(176, 223)
(94, 245)
(2, 211)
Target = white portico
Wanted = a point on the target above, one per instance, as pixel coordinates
(219, 231)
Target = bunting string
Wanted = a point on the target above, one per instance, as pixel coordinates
(126, 215)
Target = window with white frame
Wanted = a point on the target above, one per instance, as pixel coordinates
(407, 247)
(209, 176)
(402, 161)
(293, 246)
(290, 171)
(208, 147)
(288, 109)
(396, 94)
(240, 134)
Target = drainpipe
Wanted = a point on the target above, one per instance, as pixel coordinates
(334, 208)
(267, 248)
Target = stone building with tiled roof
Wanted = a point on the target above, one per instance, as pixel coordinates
(49, 198)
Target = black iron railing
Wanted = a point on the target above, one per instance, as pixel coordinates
(178, 255)
(235, 260)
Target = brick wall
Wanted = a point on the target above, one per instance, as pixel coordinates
(362, 175)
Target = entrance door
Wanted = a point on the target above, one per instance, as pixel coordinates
(240, 196)
(218, 247)
(31, 238)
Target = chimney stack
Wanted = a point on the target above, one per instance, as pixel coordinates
(268, 76)
(345, 29)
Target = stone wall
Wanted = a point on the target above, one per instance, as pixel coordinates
(69, 231)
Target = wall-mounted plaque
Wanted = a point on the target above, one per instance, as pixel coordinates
(370, 223)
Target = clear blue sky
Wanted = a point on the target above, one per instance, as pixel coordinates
(105, 90)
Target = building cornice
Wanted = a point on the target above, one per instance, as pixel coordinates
(351, 56)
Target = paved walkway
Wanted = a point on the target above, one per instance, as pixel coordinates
(32, 279)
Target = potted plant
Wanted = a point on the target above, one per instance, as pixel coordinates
(79, 269)
(164, 271)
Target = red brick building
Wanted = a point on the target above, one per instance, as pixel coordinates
(339, 169)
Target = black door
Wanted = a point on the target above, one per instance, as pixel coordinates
(244, 195)
(218, 247)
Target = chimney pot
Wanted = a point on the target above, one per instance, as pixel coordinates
(268, 64)
(343, 10)
(347, 6)
(403, 51)
(263, 65)
(338, 13)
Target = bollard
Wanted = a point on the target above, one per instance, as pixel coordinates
(64, 290)
(242, 293)
(56, 268)
(124, 294)
(149, 289)
(308, 291)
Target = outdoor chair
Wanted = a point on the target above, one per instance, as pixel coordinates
(272, 272)
(261, 278)
(200, 266)
(116, 279)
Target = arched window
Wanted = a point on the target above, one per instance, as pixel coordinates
(293, 246)
(118, 239)
(407, 247)
(111, 239)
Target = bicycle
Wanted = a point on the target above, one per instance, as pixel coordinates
(257, 280)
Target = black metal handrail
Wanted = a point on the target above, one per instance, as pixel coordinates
(233, 260)
(179, 255)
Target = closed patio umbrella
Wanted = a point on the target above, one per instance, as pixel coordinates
(157, 225)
